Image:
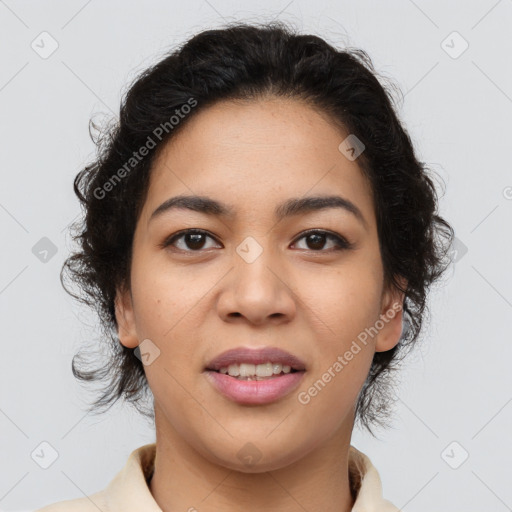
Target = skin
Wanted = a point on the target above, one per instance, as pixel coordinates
(194, 302)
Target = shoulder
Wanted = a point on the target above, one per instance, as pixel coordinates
(127, 491)
(367, 484)
(86, 504)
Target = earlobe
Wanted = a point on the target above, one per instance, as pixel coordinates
(391, 318)
(125, 319)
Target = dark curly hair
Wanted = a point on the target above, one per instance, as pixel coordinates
(244, 62)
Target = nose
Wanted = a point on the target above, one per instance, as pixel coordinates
(257, 293)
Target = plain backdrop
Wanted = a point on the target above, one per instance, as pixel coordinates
(449, 448)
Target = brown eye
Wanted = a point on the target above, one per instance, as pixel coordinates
(192, 240)
(195, 240)
(316, 240)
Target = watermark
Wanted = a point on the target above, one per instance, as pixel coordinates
(507, 193)
(44, 454)
(304, 397)
(249, 249)
(454, 45)
(45, 45)
(455, 455)
(44, 250)
(137, 156)
(249, 454)
(147, 352)
(351, 147)
(458, 250)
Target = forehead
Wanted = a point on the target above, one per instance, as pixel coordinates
(254, 154)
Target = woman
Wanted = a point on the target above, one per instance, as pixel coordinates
(259, 239)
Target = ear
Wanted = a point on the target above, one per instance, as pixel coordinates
(125, 318)
(391, 316)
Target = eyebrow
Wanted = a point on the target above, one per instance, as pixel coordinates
(290, 207)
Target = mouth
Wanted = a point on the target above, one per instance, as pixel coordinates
(253, 389)
(255, 376)
(251, 372)
(249, 362)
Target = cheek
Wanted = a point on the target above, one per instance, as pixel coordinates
(342, 301)
(171, 306)
(342, 306)
(164, 297)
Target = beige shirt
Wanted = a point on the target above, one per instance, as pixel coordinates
(129, 492)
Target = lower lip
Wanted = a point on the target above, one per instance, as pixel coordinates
(254, 391)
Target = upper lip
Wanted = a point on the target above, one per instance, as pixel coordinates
(255, 356)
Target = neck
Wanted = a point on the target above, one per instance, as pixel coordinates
(183, 479)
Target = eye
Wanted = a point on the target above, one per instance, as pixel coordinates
(194, 239)
(317, 239)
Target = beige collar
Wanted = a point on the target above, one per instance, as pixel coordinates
(129, 490)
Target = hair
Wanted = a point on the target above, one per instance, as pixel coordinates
(250, 62)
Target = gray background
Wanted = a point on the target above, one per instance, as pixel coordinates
(457, 385)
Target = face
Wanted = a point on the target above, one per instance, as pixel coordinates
(252, 279)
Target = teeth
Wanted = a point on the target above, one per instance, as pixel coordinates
(255, 370)
(247, 370)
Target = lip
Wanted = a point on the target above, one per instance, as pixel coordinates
(255, 356)
(254, 392)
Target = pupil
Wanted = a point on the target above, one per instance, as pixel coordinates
(194, 240)
(318, 240)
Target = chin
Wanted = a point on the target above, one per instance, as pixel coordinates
(254, 456)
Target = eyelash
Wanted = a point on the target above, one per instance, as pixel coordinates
(341, 242)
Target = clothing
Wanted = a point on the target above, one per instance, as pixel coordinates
(129, 491)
